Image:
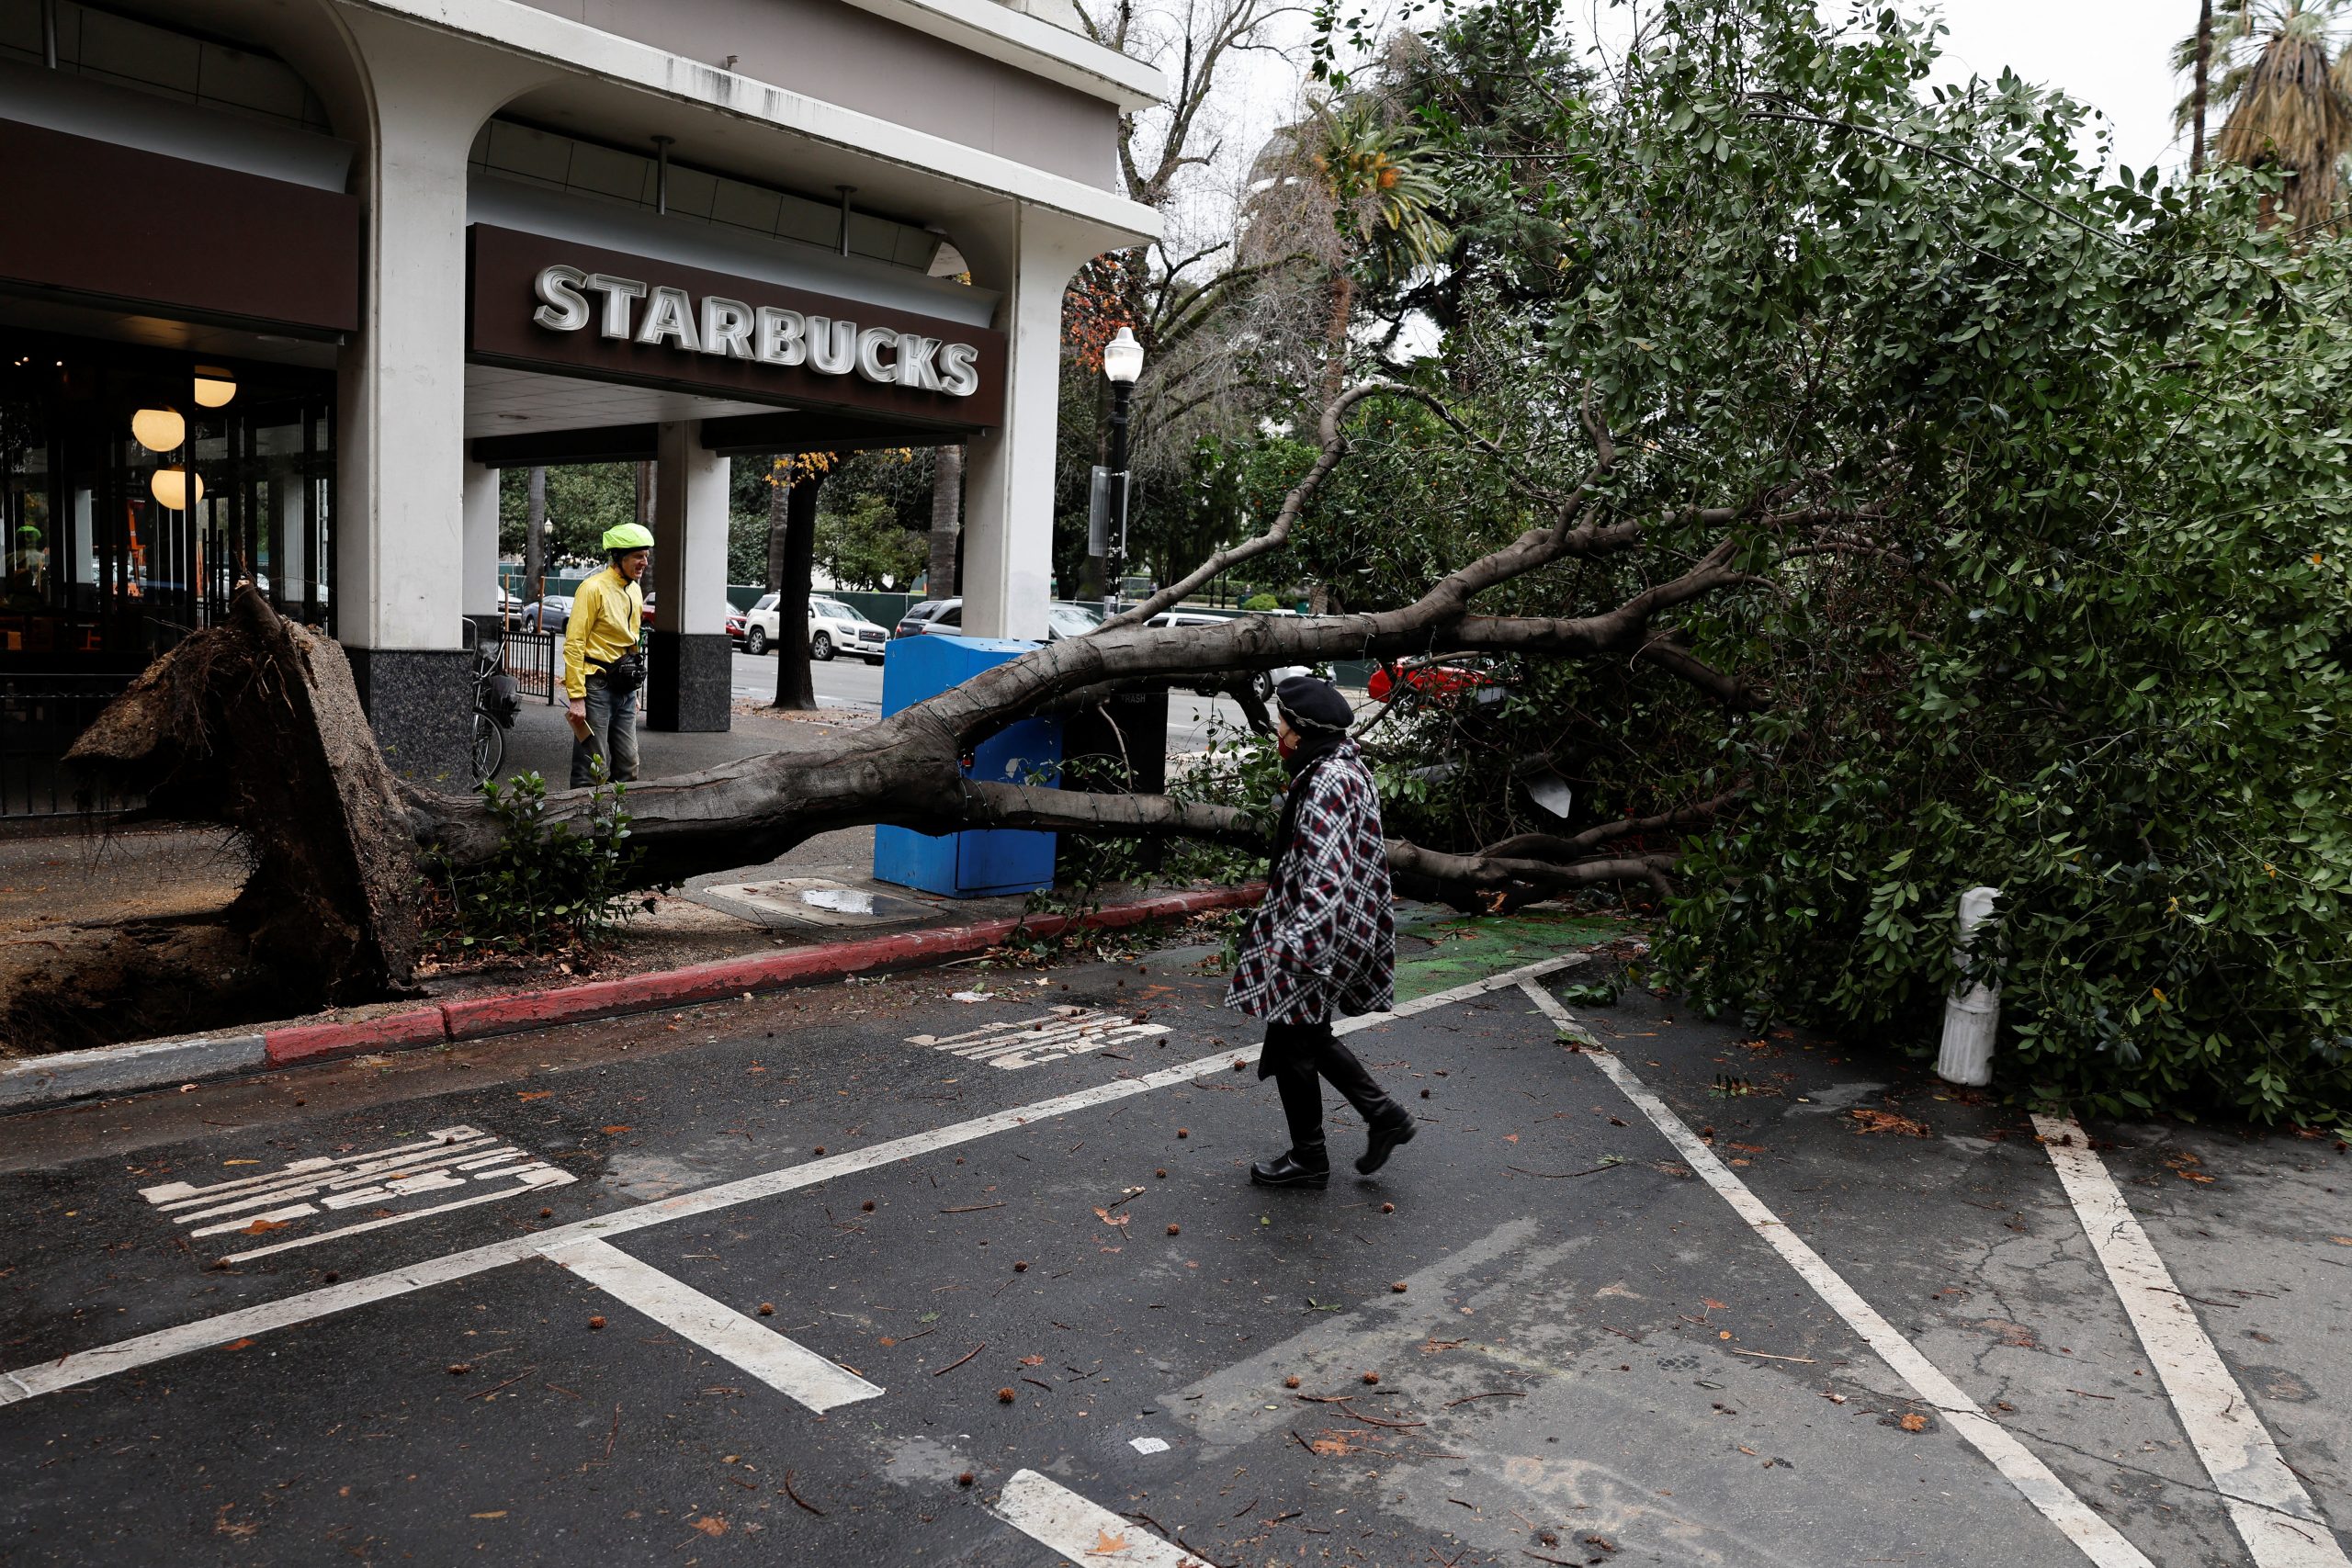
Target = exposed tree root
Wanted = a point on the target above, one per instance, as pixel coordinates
(256, 725)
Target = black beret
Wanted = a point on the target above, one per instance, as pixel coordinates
(1313, 704)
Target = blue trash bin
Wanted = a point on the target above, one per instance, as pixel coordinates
(982, 862)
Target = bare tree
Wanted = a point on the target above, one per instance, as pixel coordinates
(535, 534)
(795, 687)
(947, 519)
(779, 533)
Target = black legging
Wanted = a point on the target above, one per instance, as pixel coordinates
(1295, 1055)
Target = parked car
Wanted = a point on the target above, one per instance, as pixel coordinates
(833, 627)
(931, 616)
(946, 616)
(1265, 681)
(645, 619)
(552, 614)
(736, 623)
(1064, 618)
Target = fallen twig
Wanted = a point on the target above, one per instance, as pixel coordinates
(799, 1498)
(1492, 1394)
(510, 1382)
(974, 1208)
(1564, 1175)
(1374, 1420)
(1768, 1356)
(961, 1359)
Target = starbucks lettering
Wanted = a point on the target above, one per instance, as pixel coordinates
(547, 304)
(770, 334)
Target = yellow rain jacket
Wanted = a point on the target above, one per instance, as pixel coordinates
(606, 611)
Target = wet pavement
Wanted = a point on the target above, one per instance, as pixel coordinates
(753, 1282)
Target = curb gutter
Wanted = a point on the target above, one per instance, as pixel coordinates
(156, 1064)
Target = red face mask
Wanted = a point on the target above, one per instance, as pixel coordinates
(1286, 744)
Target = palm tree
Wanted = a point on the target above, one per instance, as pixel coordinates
(1352, 175)
(2285, 104)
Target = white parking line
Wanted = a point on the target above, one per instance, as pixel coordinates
(2099, 1541)
(1055, 1516)
(145, 1349)
(782, 1364)
(2281, 1526)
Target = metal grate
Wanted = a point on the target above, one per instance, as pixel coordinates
(41, 714)
(534, 658)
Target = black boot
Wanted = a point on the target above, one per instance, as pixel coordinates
(1385, 1139)
(1305, 1164)
(1287, 1169)
(1388, 1123)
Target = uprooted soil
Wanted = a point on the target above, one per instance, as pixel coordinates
(253, 725)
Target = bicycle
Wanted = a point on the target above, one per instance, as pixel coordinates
(497, 701)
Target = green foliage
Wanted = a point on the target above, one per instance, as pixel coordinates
(549, 890)
(583, 500)
(1262, 602)
(864, 543)
(2062, 609)
(747, 545)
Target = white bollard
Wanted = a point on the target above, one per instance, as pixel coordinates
(1971, 1016)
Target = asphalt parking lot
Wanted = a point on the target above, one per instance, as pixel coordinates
(876, 1275)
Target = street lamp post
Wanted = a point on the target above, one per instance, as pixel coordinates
(1122, 363)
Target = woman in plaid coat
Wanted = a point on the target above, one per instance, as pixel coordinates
(1324, 940)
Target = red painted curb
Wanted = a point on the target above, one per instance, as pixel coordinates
(481, 1016)
(304, 1041)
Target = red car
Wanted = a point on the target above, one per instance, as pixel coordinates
(1442, 682)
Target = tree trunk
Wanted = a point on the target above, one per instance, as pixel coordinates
(795, 688)
(2200, 87)
(779, 535)
(946, 520)
(645, 494)
(256, 724)
(1335, 333)
(534, 536)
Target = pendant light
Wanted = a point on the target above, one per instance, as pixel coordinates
(158, 430)
(170, 488)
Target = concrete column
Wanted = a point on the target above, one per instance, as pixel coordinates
(289, 507)
(1029, 255)
(479, 557)
(401, 566)
(690, 677)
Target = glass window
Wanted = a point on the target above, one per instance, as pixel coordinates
(93, 561)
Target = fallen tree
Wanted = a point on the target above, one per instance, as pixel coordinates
(254, 725)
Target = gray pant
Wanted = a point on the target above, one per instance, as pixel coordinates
(612, 735)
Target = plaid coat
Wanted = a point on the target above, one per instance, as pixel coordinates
(1325, 937)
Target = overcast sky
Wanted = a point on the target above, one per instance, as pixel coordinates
(2110, 54)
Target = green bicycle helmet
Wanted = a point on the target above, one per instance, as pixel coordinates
(629, 536)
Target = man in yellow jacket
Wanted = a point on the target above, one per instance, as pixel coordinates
(602, 670)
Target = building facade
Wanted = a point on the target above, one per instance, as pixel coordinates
(286, 283)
